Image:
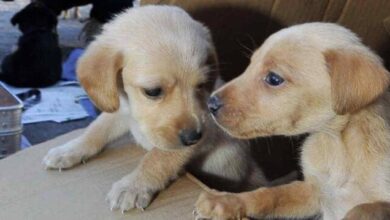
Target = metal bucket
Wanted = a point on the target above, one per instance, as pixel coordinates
(9, 143)
(10, 122)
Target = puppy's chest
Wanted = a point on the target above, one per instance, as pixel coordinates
(326, 161)
(331, 167)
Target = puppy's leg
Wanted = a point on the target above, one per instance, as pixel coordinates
(155, 171)
(106, 128)
(369, 211)
(296, 200)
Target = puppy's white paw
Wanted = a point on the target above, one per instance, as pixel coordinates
(129, 193)
(64, 156)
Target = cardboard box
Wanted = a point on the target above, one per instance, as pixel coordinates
(28, 191)
(240, 26)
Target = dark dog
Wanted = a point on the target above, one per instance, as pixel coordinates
(104, 10)
(57, 6)
(37, 61)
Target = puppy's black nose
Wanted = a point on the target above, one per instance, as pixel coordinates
(214, 104)
(189, 137)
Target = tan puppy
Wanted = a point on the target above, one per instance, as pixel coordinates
(315, 78)
(148, 71)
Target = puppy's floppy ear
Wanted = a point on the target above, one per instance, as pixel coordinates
(357, 79)
(99, 72)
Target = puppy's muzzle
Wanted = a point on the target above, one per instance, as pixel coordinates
(190, 137)
(214, 104)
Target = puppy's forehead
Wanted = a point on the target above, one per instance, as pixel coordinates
(299, 46)
(284, 43)
(160, 44)
(153, 80)
(316, 35)
(286, 53)
(166, 70)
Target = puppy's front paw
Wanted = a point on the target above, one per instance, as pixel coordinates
(63, 157)
(130, 192)
(225, 206)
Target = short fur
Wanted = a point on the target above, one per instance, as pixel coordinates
(37, 60)
(148, 47)
(335, 90)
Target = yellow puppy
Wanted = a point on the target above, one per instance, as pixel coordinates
(150, 72)
(315, 78)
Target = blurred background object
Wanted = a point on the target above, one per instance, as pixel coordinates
(10, 122)
(47, 48)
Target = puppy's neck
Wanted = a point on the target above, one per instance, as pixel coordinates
(335, 125)
(367, 128)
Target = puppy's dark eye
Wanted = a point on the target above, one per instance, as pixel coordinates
(273, 79)
(153, 93)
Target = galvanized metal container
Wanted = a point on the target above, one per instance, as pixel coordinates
(10, 122)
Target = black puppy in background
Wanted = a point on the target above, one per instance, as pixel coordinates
(37, 60)
(102, 11)
(57, 6)
(105, 10)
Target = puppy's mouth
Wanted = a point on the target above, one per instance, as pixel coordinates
(188, 134)
(226, 119)
(243, 134)
(232, 125)
(254, 133)
(225, 128)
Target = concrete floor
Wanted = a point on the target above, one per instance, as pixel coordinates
(68, 31)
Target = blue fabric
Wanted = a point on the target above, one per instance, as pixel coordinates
(69, 74)
(89, 107)
(69, 66)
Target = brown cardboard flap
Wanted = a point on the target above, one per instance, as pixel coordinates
(334, 10)
(366, 19)
(30, 192)
(237, 24)
(386, 24)
(298, 11)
